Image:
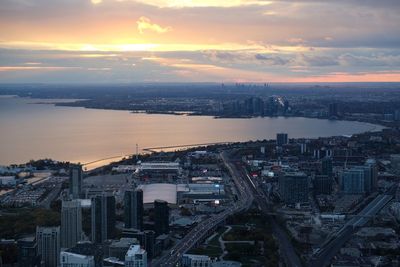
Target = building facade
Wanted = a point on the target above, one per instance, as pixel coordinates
(75, 181)
(293, 188)
(103, 218)
(282, 139)
(48, 245)
(71, 223)
(133, 209)
(27, 253)
(359, 179)
(161, 217)
(323, 185)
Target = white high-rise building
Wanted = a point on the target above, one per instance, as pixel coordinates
(136, 257)
(48, 245)
(71, 223)
(68, 259)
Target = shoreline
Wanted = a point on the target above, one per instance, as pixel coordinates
(105, 160)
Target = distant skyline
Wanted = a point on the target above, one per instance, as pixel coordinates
(122, 41)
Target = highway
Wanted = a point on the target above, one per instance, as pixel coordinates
(331, 247)
(201, 230)
(287, 250)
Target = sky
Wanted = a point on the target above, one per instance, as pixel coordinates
(128, 41)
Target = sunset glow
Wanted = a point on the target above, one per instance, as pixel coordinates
(246, 40)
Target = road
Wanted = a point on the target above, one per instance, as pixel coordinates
(286, 248)
(200, 231)
(331, 247)
(53, 194)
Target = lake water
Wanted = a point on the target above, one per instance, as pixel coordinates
(34, 131)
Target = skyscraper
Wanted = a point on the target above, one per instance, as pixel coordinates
(133, 209)
(75, 181)
(293, 188)
(327, 167)
(71, 223)
(48, 245)
(103, 218)
(281, 139)
(161, 217)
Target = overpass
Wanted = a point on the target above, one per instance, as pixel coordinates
(331, 246)
(205, 228)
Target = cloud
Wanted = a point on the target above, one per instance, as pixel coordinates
(144, 24)
(203, 3)
(317, 60)
(272, 59)
(30, 68)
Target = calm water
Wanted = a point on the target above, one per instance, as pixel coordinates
(34, 131)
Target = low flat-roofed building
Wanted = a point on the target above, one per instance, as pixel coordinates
(173, 193)
(136, 257)
(191, 260)
(125, 168)
(112, 262)
(206, 179)
(159, 170)
(118, 248)
(202, 192)
(166, 192)
(226, 264)
(159, 166)
(69, 259)
(8, 181)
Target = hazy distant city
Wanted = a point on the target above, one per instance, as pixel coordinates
(269, 202)
(199, 133)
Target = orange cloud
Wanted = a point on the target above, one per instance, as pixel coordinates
(144, 24)
(27, 68)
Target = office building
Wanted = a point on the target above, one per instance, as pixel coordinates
(281, 139)
(71, 223)
(161, 217)
(75, 181)
(323, 185)
(69, 259)
(293, 188)
(327, 167)
(48, 245)
(103, 218)
(27, 252)
(353, 181)
(133, 209)
(136, 257)
(359, 179)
